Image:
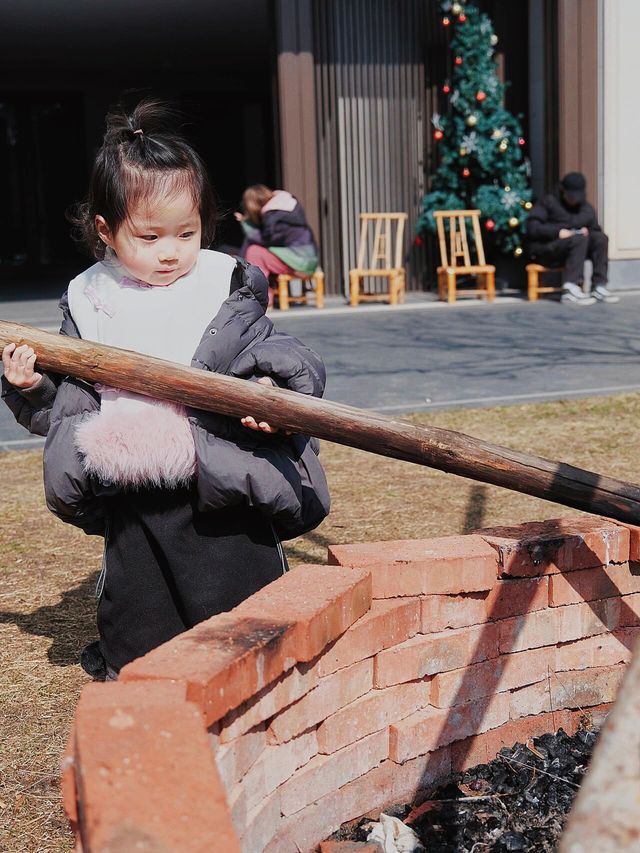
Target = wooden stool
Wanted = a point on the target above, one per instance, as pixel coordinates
(380, 257)
(284, 297)
(457, 259)
(533, 284)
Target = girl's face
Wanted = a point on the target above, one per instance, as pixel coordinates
(160, 241)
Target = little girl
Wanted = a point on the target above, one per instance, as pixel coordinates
(192, 504)
(277, 236)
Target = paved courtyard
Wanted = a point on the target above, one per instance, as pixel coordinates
(427, 355)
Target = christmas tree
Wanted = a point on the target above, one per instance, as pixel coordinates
(479, 143)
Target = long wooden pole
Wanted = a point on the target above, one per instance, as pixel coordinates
(424, 445)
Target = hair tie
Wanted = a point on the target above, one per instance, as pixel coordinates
(141, 132)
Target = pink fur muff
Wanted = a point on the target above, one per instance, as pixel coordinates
(148, 443)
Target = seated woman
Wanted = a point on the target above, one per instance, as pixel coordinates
(277, 236)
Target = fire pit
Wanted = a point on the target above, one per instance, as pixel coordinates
(340, 689)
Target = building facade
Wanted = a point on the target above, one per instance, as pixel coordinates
(331, 99)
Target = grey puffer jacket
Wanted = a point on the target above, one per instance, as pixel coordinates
(279, 475)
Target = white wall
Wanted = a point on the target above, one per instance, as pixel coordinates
(621, 130)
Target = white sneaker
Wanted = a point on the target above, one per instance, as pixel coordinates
(571, 293)
(603, 294)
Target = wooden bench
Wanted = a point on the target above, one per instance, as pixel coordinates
(534, 271)
(285, 297)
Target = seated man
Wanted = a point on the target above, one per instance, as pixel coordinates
(563, 231)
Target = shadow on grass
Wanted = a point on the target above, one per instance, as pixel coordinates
(70, 623)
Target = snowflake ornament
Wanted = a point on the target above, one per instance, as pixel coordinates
(470, 142)
(510, 199)
(436, 121)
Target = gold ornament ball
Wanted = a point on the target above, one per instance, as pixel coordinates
(494, 39)
(472, 120)
(514, 222)
(517, 251)
(507, 189)
(528, 205)
(456, 8)
(503, 146)
(495, 134)
(463, 152)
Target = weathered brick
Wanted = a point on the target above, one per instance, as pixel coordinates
(601, 650)
(492, 676)
(432, 728)
(350, 847)
(448, 565)
(428, 654)
(440, 612)
(326, 773)
(634, 539)
(332, 693)
(592, 584)
(260, 826)
(119, 744)
(515, 596)
(480, 749)
(68, 782)
(281, 693)
(387, 623)
(558, 545)
(371, 713)
(276, 764)
(629, 611)
(227, 659)
(233, 759)
(570, 690)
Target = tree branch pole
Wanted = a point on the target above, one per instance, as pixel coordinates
(446, 450)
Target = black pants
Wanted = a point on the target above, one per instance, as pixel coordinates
(571, 254)
(169, 566)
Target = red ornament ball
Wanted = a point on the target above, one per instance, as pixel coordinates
(445, 22)
(521, 140)
(481, 96)
(446, 88)
(462, 18)
(466, 172)
(458, 60)
(418, 241)
(490, 225)
(438, 135)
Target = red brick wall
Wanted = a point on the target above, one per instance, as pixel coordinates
(340, 689)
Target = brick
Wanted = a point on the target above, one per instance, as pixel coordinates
(570, 690)
(557, 545)
(386, 624)
(629, 611)
(262, 824)
(493, 676)
(227, 659)
(440, 612)
(350, 847)
(428, 654)
(634, 539)
(480, 749)
(516, 596)
(448, 565)
(233, 759)
(371, 713)
(276, 764)
(601, 650)
(68, 782)
(148, 766)
(592, 584)
(326, 773)
(281, 693)
(431, 728)
(332, 693)
(420, 774)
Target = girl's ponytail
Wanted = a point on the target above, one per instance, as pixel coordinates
(141, 156)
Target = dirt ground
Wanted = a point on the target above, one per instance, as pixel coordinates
(48, 571)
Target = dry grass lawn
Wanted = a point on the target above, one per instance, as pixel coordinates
(48, 571)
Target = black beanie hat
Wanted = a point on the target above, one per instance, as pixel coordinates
(574, 187)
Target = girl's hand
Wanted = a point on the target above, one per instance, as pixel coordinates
(239, 217)
(250, 422)
(18, 365)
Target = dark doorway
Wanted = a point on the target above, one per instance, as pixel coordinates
(62, 65)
